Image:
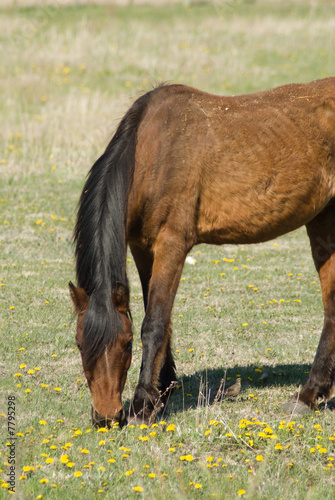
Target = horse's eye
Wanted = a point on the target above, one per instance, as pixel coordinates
(129, 345)
(79, 347)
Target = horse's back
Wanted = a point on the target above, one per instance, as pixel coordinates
(233, 169)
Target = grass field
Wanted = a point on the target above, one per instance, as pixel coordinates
(68, 73)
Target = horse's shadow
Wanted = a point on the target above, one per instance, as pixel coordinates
(206, 387)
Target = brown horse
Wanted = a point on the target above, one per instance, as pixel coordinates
(186, 167)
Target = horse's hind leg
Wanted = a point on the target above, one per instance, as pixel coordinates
(167, 372)
(321, 379)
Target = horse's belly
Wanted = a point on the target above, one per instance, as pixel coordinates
(252, 216)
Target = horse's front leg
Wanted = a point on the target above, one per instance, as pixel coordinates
(157, 361)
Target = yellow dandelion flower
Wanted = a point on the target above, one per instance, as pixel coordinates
(152, 475)
(259, 458)
(49, 460)
(27, 468)
(78, 473)
(44, 480)
(137, 488)
(170, 428)
(42, 422)
(187, 458)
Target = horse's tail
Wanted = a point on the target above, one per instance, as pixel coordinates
(100, 231)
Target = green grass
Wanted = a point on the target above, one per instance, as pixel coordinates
(67, 76)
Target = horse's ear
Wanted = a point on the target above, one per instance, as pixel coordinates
(79, 297)
(120, 297)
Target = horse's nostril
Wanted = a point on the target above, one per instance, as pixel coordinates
(121, 417)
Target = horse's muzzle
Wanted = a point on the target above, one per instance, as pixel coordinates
(99, 421)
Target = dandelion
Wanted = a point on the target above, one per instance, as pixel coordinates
(42, 422)
(170, 428)
(44, 480)
(187, 458)
(278, 446)
(137, 488)
(152, 475)
(241, 492)
(28, 468)
(49, 460)
(259, 458)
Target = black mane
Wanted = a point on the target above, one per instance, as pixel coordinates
(100, 233)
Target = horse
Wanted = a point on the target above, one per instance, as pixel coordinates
(187, 167)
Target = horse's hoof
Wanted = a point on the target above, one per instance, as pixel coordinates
(296, 407)
(139, 418)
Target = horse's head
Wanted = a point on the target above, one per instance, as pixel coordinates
(106, 359)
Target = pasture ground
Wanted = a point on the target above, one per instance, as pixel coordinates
(67, 75)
